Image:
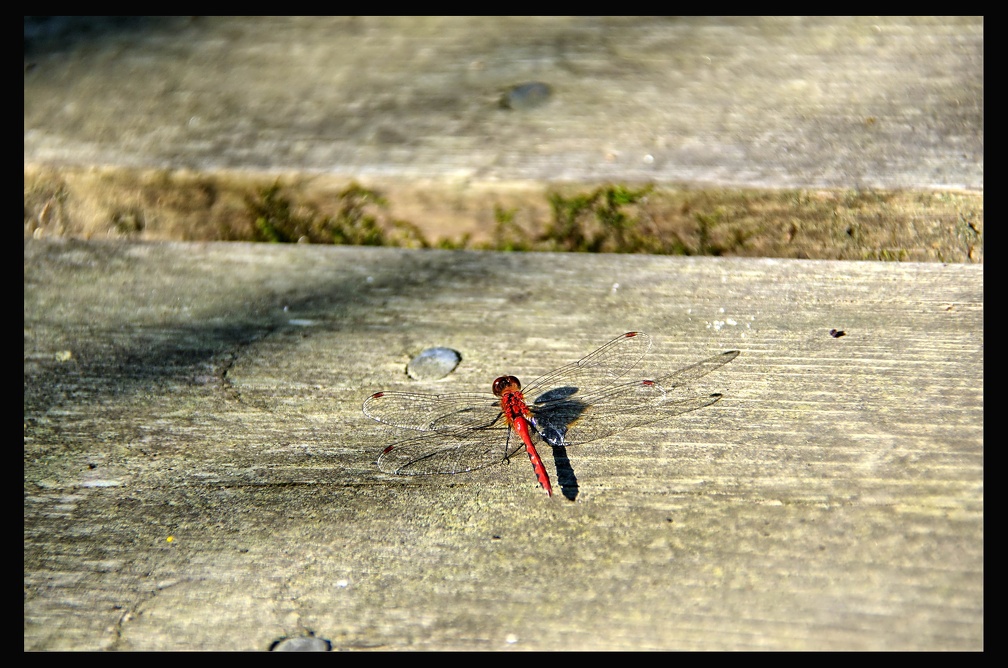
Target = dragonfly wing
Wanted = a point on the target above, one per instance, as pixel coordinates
(698, 370)
(594, 372)
(629, 404)
(433, 412)
(573, 420)
(625, 406)
(449, 452)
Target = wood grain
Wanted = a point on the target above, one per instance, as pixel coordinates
(210, 395)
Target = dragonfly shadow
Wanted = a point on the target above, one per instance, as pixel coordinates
(556, 394)
(553, 422)
(563, 412)
(565, 473)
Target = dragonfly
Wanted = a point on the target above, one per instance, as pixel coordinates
(597, 396)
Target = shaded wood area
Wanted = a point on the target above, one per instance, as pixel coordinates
(198, 473)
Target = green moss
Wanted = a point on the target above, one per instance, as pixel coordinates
(852, 224)
(359, 221)
(272, 219)
(609, 219)
(129, 221)
(508, 235)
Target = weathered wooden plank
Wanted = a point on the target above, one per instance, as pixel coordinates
(211, 394)
(775, 102)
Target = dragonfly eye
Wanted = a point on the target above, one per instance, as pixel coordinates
(505, 383)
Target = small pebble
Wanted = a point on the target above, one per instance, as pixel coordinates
(302, 644)
(433, 363)
(526, 96)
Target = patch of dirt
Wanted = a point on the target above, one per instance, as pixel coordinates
(178, 205)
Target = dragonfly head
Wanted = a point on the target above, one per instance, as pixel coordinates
(506, 384)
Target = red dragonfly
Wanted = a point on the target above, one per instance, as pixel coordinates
(594, 397)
